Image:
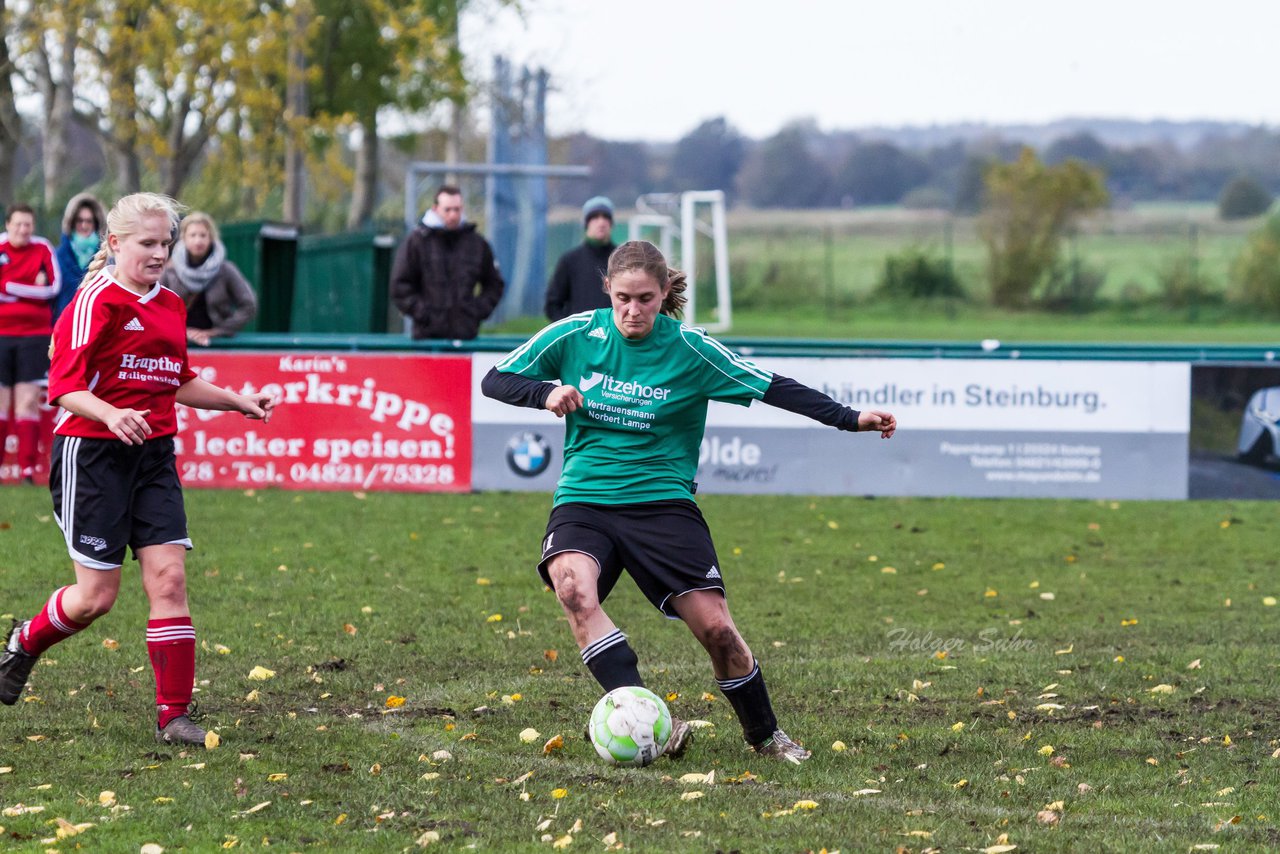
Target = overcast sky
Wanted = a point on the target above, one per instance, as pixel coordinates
(654, 69)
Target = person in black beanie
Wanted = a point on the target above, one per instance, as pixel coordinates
(578, 281)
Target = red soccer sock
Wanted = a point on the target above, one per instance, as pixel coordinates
(4, 436)
(171, 643)
(49, 626)
(28, 430)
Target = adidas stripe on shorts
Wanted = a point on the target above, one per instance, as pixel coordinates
(665, 546)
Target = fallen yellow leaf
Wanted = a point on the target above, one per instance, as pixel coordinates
(1046, 750)
(394, 702)
(277, 778)
(1162, 689)
(839, 746)
(110, 643)
(494, 618)
(691, 796)
(805, 805)
(559, 793)
(556, 742)
(211, 740)
(957, 726)
(261, 674)
(349, 629)
(530, 735)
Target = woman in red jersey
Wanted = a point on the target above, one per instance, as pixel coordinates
(119, 365)
(29, 279)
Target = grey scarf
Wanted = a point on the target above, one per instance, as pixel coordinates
(196, 279)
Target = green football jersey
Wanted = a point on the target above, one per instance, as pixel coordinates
(637, 436)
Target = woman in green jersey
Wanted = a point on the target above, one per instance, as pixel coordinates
(634, 384)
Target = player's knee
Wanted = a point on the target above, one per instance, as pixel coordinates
(573, 598)
(574, 589)
(94, 604)
(168, 584)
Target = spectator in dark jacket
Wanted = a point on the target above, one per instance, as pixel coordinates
(444, 277)
(219, 299)
(82, 227)
(578, 281)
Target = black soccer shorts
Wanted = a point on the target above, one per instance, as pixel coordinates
(109, 496)
(665, 546)
(23, 359)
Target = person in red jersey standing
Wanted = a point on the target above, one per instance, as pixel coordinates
(119, 366)
(29, 280)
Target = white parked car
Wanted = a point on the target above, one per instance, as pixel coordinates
(1260, 427)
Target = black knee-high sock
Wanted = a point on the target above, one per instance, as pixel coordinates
(750, 700)
(612, 661)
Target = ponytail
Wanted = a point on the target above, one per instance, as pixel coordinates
(98, 261)
(673, 303)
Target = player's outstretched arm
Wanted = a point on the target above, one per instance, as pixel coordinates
(203, 395)
(786, 393)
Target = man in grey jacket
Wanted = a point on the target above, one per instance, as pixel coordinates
(444, 277)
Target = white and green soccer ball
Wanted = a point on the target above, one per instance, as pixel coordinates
(630, 726)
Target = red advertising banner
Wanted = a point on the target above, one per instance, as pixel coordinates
(344, 422)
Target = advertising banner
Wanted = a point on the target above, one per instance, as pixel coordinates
(344, 422)
(966, 428)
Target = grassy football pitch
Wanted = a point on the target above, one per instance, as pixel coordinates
(970, 675)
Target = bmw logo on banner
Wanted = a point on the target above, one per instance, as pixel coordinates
(528, 454)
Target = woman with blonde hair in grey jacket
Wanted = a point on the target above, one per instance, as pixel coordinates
(219, 299)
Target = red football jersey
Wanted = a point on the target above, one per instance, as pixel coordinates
(129, 350)
(24, 305)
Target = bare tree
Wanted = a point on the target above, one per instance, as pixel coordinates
(55, 81)
(295, 114)
(10, 120)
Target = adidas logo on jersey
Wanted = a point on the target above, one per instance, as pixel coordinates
(134, 326)
(597, 333)
(713, 572)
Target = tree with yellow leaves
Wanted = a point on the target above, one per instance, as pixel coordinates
(1029, 210)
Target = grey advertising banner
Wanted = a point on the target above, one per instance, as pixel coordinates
(966, 428)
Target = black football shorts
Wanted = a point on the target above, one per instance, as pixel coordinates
(23, 359)
(109, 496)
(665, 546)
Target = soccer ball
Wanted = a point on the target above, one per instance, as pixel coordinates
(630, 726)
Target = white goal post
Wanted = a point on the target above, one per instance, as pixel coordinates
(689, 204)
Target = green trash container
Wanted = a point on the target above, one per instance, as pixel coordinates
(242, 241)
(279, 268)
